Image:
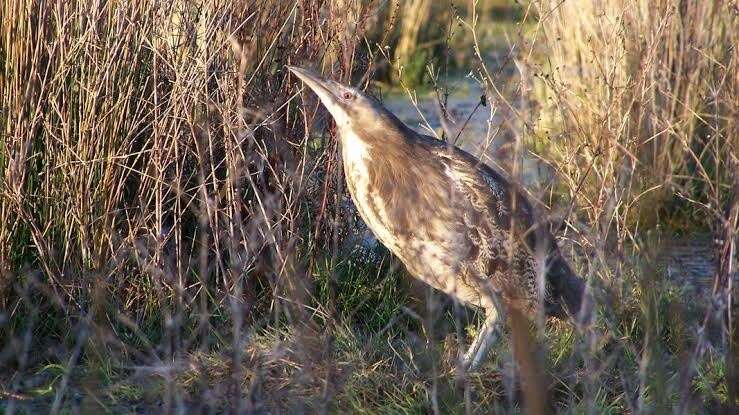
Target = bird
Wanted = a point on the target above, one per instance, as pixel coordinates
(453, 221)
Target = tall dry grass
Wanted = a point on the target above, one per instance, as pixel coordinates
(636, 109)
(173, 216)
(646, 92)
(159, 187)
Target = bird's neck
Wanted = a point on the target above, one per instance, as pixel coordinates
(384, 135)
(354, 147)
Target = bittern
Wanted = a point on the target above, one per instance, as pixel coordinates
(454, 222)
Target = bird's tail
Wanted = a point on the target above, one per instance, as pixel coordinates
(566, 290)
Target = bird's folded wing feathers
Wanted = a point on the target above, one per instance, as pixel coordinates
(486, 190)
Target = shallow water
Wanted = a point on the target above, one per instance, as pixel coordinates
(691, 263)
(461, 104)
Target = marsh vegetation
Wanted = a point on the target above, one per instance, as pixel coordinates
(175, 233)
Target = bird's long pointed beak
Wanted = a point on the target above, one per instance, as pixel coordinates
(321, 87)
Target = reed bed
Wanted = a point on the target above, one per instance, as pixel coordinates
(176, 236)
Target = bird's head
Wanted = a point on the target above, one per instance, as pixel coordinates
(351, 108)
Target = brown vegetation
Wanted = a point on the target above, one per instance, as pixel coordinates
(173, 218)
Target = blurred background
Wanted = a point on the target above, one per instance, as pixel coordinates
(176, 236)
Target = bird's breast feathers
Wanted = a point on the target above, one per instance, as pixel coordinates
(371, 207)
(409, 209)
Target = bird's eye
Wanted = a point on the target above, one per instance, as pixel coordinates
(347, 95)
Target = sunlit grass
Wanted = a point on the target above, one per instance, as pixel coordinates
(176, 236)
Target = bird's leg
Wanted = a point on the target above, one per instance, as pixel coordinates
(484, 340)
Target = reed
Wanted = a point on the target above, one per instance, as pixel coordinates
(644, 92)
(175, 235)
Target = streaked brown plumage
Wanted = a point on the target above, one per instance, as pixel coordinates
(455, 223)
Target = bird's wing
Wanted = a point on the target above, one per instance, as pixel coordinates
(494, 197)
(486, 189)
